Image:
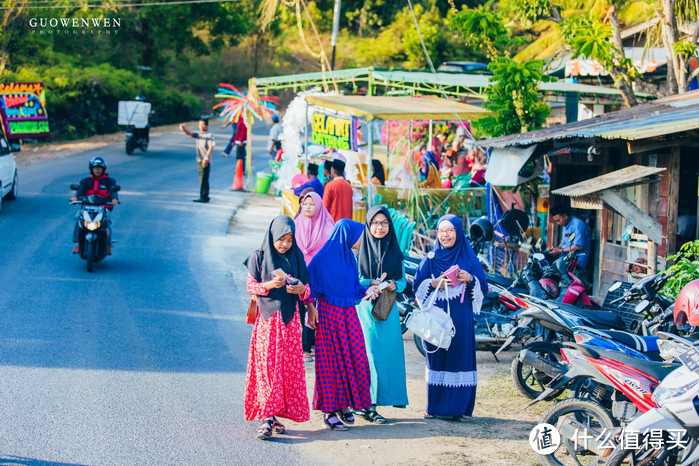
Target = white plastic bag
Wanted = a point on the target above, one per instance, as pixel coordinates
(431, 323)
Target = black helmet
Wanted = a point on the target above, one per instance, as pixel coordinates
(97, 162)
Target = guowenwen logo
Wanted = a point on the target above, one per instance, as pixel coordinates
(75, 26)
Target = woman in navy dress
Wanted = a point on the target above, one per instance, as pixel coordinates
(451, 373)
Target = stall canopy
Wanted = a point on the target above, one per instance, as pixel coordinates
(398, 108)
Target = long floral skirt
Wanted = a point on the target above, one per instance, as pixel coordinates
(342, 368)
(276, 381)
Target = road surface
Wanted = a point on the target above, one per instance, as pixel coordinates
(142, 361)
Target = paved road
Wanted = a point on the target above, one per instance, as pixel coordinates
(143, 361)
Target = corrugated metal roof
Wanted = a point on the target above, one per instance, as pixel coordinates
(670, 115)
(608, 180)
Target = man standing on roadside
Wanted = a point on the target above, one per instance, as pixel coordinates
(337, 195)
(205, 146)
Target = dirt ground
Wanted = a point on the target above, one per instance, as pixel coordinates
(497, 435)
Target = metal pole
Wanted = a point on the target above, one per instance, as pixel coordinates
(249, 124)
(370, 171)
(305, 142)
(336, 27)
(430, 136)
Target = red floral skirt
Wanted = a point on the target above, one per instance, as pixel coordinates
(276, 380)
(342, 368)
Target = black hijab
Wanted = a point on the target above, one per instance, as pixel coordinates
(377, 171)
(377, 256)
(263, 262)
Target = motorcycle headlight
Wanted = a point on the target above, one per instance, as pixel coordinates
(92, 225)
(670, 350)
(662, 394)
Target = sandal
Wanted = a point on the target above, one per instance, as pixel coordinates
(331, 420)
(277, 426)
(462, 418)
(372, 416)
(307, 357)
(427, 416)
(265, 430)
(346, 417)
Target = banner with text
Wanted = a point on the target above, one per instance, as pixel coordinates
(335, 132)
(23, 110)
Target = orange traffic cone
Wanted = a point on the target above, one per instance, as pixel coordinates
(238, 178)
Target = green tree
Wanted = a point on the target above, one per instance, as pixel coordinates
(513, 95)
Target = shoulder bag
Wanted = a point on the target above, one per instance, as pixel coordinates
(431, 323)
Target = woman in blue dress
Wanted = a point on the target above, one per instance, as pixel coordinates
(379, 253)
(451, 373)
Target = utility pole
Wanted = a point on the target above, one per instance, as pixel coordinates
(336, 27)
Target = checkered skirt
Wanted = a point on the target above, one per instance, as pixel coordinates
(342, 368)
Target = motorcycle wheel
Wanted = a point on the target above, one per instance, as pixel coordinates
(590, 414)
(129, 148)
(90, 255)
(419, 344)
(529, 381)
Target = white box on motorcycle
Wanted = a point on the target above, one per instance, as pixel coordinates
(133, 112)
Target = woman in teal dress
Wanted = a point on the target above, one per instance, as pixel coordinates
(380, 253)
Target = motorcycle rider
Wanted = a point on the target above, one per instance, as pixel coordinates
(143, 133)
(99, 184)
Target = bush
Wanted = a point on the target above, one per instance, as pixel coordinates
(684, 270)
(82, 102)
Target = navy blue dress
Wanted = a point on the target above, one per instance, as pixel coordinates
(451, 374)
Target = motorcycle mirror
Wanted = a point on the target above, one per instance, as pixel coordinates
(116, 189)
(74, 187)
(641, 306)
(615, 286)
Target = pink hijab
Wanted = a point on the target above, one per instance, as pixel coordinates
(312, 233)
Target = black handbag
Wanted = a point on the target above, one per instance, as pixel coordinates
(383, 305)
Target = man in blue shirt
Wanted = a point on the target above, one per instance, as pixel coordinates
(563, 216)
(314, 183)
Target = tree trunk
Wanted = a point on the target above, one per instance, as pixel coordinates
(675, 74)
(621, 82)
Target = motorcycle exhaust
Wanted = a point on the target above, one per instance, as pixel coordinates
(584, 437)
(546, 366)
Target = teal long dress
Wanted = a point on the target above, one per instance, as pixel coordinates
(384, 347)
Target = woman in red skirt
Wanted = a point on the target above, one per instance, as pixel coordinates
(342, 368)
(276, 381)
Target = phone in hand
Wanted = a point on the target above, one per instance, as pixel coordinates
(294, 283)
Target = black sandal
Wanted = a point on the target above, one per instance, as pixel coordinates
(334, 425)
(348, 417)
(277, 426)
(372, 416)
(265, 430)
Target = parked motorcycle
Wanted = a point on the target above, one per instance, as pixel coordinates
(676, 419)
(93, 224)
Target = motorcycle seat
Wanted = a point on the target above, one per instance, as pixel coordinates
(604, 319)
(637, 342)
(499, 280)
(657, 370)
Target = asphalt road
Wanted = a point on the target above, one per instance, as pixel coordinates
(142, 361)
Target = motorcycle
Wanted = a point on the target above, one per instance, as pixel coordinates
(93, 227)
(675, 420)
(137, 138)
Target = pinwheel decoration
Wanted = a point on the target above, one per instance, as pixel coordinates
(238, 103)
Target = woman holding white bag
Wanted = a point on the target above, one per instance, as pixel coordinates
(452, 271)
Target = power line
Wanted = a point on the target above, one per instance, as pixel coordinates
(30, 5)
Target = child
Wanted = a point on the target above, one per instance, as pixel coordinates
(276, 381)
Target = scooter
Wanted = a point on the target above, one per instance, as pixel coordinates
(137, 138)
(93, 227)
(669, 433)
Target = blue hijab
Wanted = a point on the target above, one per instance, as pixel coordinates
(333, 270)
(439, 259)
(428, 158)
